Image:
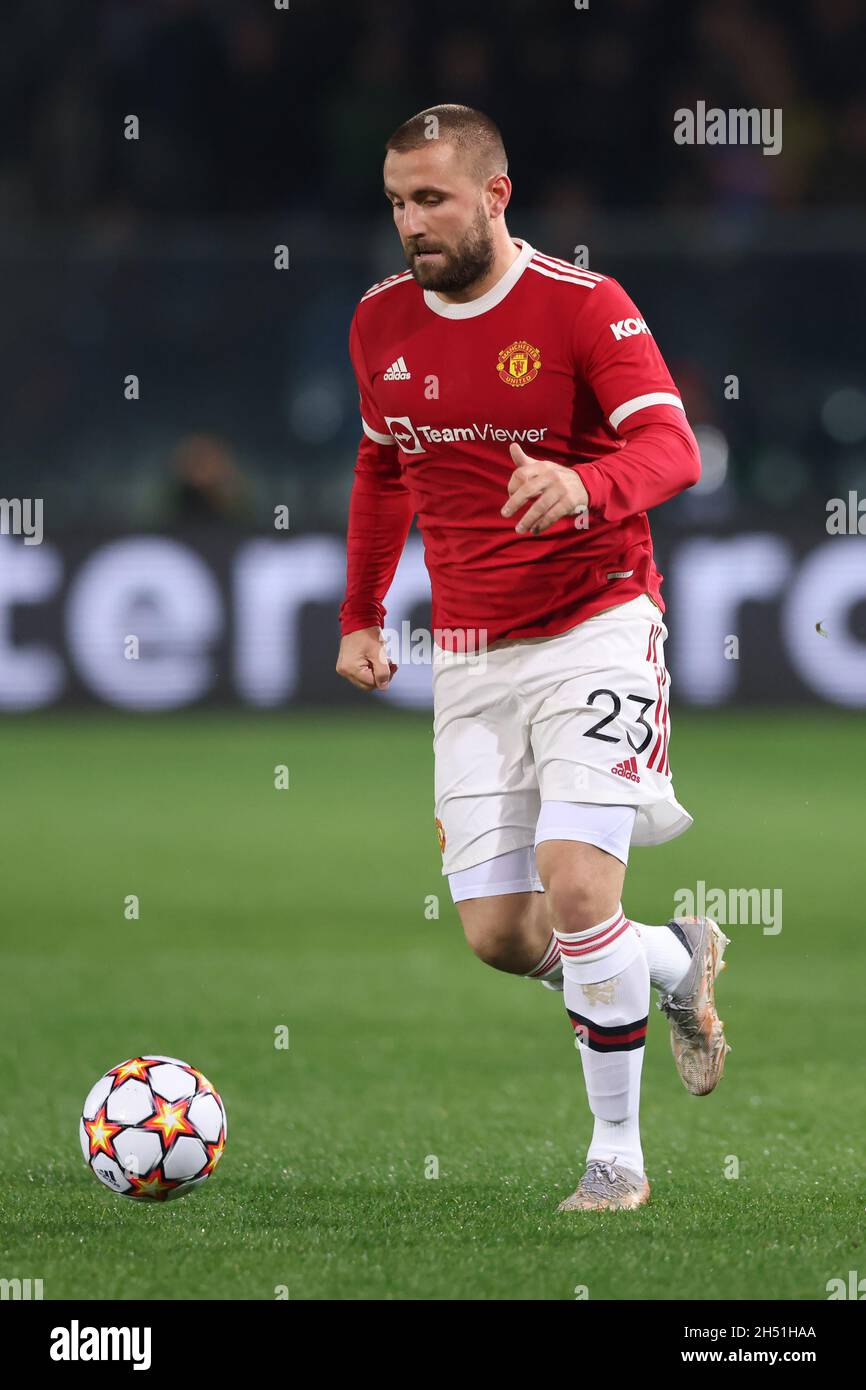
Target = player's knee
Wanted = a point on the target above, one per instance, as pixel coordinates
(493, 948)
(578, 903)
(493, 928)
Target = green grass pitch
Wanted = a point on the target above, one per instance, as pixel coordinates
(309, 908)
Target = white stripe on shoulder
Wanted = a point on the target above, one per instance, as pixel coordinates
(623, 411)
(375, 435)
(557, 263)
(386, 284)
(563, 276)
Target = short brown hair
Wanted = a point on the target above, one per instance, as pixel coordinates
(474, 135)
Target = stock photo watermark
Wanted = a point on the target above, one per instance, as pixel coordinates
(761, 126)
(421, 646)
(732, 907)
(846, 516)
(21, 1290)
(22, 516)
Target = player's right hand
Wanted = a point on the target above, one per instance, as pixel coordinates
(363, 660)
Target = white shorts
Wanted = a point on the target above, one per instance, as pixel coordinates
(607, 827)
(582, 716)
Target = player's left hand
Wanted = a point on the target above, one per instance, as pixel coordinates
(559, 490)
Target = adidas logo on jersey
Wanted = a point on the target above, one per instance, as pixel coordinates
(626, 328)
(627, 769)
(398, 371)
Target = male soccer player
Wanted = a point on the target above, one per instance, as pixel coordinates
(519, 407)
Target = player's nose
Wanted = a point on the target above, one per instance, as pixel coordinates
(413, 223)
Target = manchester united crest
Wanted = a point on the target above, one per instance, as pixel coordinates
(519, 363)
(440, 835)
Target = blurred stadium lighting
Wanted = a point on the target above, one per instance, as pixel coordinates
(843, 415)
(316, 412)
(780, 476)
(714, 458)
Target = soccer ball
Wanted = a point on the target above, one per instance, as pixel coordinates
(153, 1127)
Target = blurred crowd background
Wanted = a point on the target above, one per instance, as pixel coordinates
(262, 127)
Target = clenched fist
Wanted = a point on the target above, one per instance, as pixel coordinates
(363, 660)
(559, 490)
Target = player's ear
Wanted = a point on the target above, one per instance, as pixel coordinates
(498, 194)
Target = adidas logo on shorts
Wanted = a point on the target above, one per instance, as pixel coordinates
(627, 769)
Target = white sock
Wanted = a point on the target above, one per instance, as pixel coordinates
(666, 955)
(607, 991)
(549, 968)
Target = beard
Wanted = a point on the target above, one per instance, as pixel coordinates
(456, 269)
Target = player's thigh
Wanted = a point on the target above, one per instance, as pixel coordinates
(487, 799)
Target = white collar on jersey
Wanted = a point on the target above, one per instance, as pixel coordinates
(495, 295)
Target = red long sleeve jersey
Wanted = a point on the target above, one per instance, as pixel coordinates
(554, 357)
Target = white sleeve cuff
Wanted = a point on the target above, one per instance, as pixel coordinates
(375, 435)
(622, 412)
